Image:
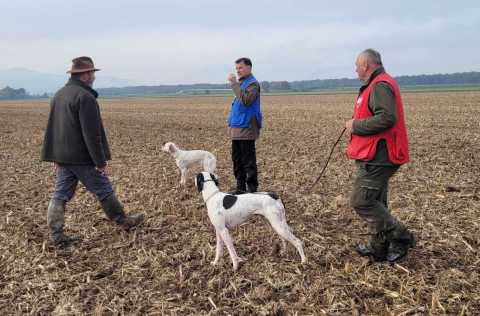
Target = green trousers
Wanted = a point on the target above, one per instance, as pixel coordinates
(370, 196)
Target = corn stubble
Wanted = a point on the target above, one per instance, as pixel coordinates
(163, 266)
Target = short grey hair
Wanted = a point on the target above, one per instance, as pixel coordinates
(373, 57)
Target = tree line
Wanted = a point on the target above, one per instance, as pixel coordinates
(8, 93)
(454, 79)
(465, 78)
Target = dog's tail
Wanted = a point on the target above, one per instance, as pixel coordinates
(273, 195)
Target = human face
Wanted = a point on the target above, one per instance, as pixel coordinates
(88, 78)
(243, 70)
(361, 67)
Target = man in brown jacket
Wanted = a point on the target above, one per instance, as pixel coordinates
(76, 143)
(245, 121)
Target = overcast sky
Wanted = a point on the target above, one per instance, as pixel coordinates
(169, 42)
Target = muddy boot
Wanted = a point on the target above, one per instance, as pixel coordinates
(377, 247)
(55, 221)
(114, 211)
(400, 241)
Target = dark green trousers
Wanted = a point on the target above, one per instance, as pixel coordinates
(370, 196)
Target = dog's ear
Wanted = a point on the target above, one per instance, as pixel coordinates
(215, 180)
(171, 148)
(199, 180)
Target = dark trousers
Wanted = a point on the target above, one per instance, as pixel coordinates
(69, 175)
(370, 195)
(245, 165)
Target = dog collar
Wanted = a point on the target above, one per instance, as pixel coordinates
(206, 200)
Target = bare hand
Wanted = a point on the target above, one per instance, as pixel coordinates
(102, 170)
(349, 127)
(55, 167)
(232, 78)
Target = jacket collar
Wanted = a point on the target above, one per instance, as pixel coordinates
(245, 78)
(378, 71)
(79, 83)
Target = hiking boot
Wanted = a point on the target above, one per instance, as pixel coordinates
(114, 211)
(401, 240)
(377, 248)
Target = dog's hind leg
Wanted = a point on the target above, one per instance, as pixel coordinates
(279, 224)
(219, 250)
(231, 249)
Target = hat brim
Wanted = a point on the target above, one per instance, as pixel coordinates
(79, 71)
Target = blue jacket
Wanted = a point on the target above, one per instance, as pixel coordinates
(240, 115)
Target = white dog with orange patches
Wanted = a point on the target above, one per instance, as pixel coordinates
(187, 159)
(227, 211)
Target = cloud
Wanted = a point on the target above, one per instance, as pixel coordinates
(159, 42)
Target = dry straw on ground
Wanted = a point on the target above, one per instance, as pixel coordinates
(163, 267)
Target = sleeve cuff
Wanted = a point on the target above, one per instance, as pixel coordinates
(356, 126)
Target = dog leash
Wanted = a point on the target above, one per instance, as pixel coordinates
(328, 160)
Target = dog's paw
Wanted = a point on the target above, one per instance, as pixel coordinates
(214, 263)
(304, 260)
(235, 266)
(237, 262)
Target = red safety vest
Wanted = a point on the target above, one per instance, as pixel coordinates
(364, 147)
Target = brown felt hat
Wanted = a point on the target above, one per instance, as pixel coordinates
(82, 64)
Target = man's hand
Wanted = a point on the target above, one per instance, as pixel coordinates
(102, 170)
(232, 78)
(55, 167)
(349, 127)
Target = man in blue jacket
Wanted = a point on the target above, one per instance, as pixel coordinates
(245, 122)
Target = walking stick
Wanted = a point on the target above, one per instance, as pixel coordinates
(328, 160)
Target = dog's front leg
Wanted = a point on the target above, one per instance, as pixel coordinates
(231, 249)
(183, 177)
(219, 250)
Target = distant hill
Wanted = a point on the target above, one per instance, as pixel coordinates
(35, 82)
(464, 78)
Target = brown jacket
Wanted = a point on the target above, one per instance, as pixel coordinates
(75, 133)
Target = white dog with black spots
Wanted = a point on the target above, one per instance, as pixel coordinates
(227, 211)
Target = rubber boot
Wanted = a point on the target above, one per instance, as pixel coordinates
(114, 211)
(56, 221)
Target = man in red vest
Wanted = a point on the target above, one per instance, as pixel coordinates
(379, 145)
